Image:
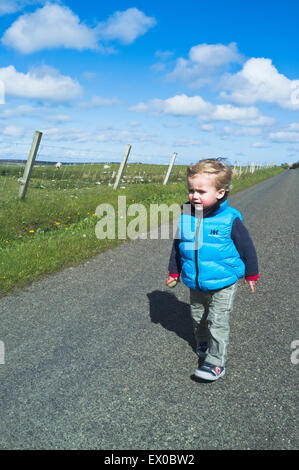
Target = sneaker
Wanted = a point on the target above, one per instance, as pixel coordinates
(201, 350)
(209, 372)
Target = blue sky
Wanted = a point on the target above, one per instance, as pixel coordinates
(199, 78)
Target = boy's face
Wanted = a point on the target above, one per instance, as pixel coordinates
(202, 191)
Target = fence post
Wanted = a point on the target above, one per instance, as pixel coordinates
(122, 167)
(170, 167)
(29, 164)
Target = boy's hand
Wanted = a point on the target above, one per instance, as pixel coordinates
(171, 281)
(251, 284)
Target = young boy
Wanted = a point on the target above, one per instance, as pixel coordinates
(213, 251)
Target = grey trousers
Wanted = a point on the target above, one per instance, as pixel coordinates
(210, 313)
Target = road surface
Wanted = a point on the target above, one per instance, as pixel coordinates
(101, 356)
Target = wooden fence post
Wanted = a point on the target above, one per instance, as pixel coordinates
(122, 167)
(29, 164)
(170, 167)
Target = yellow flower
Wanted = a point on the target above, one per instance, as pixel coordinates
(31, 231)
(57, 223)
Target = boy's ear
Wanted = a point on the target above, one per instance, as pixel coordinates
(221, 193)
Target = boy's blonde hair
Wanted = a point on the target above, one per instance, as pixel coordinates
(213, 166)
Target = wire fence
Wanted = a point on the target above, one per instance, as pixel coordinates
(62, 168)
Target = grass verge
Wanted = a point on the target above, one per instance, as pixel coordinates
(51, 230)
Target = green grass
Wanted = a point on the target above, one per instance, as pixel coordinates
(54, 228)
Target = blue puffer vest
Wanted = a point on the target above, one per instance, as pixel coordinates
(209, 257)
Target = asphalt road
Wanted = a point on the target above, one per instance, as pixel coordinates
(101, 356)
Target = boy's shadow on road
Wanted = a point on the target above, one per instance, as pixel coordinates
(173, 315)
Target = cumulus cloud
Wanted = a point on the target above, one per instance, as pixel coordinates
(260, 145)
(21, 110)
(65, 134)
(125, 26)
(12, 6)
(204, 63)
(183, 105)
(249, 116)
(49, 27)
(42, 83)
(123, 136)
(98, 101)
(260, 81)
(243, 131)
(207, 127)
(55, 26)
(284, 136)
(179, 105)
(13, 131)
(214, 55)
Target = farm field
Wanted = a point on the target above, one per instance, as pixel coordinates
(54, 226)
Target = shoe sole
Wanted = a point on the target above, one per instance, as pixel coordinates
(207, 376)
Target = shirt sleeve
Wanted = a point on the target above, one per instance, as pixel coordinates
(246, 249)
(174, 266)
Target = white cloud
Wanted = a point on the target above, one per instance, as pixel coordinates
(248, 116)
(97, 101)
(125, 26)
(22, 110)
(49, 27)
(204, 63)
(123, 136)
(179, 105)
(13, 131)
(186, 142)
(42, 83)
(65, 134)
(260, 145)
(284, 136)
(59, 118)
(207, 127)
(214, 55)
(12, 6)
(183, 105)
(260, 81)
(55, 26)
(242, 131)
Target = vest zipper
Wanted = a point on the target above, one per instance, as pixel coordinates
(196, 251)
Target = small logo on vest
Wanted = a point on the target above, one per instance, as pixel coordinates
(213, 232)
